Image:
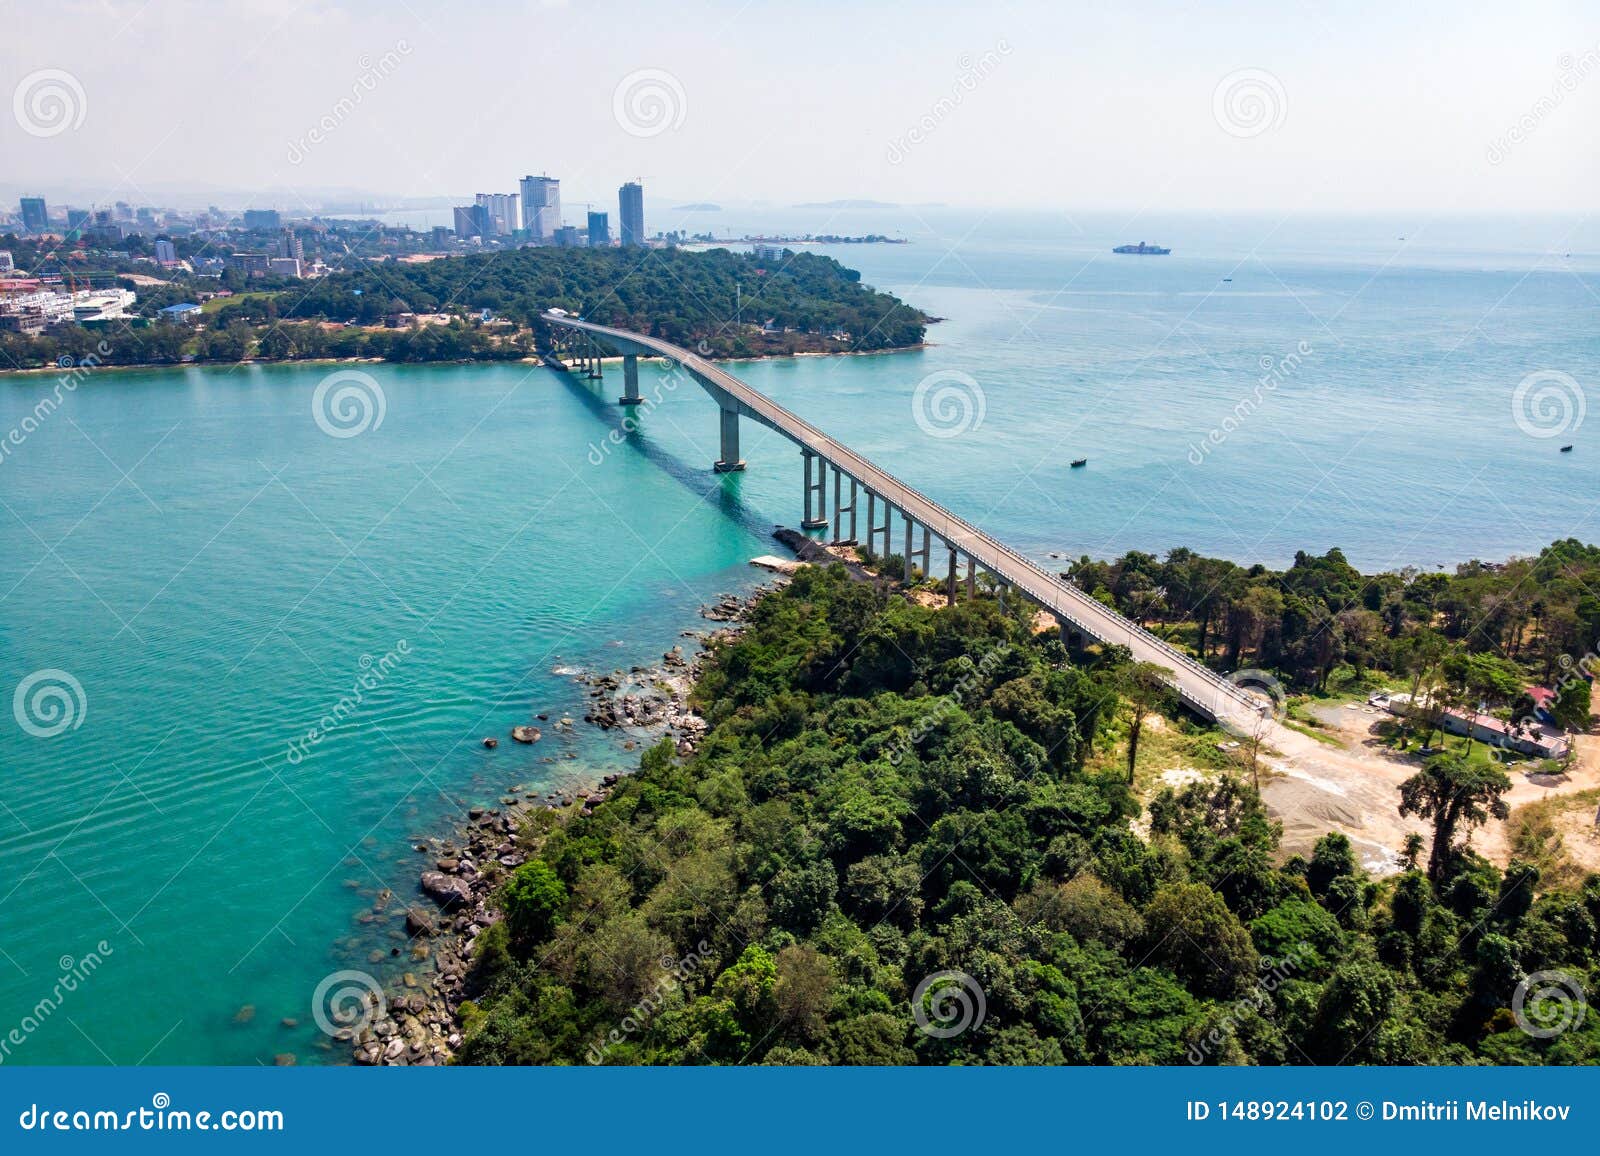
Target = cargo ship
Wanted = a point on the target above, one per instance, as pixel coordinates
(1142, 248)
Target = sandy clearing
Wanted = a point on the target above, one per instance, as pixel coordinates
(1355, 788)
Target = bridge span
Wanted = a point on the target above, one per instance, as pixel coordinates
(967, 548)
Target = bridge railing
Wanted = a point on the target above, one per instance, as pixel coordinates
(1038, 585)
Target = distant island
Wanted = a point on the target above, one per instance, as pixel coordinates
(698, 207)
(847, 204)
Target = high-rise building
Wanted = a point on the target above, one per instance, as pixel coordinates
(504, 217)
(262, 219)
(78, 220)
(568, 237)
(472, 221)
(631, 198)
(35, 216)
(541, 207)
(290, 245)
(599, 230)
(165, 253)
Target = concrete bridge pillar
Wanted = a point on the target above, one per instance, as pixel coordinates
(630, 383)
(816, 503)
(872, 520)
(730, 460)
(840, 509)
(906, 553)
(595, 372)
(972, 578)
(950, 580)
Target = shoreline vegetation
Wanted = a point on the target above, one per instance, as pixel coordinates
(893, 815)
(489, 307)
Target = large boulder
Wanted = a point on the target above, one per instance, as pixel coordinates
(445, 890)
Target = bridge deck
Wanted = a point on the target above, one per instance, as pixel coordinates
(1202, 689)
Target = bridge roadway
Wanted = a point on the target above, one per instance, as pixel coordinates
(1201, 689)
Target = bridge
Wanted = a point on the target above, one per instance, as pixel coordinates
(922, 521)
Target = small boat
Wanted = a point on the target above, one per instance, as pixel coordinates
(1078, 463)
(1227, 278)
(1566, 449)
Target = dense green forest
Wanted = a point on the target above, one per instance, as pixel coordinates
(689, 298)
(1477, 635)
(681, 296)
(891, 794)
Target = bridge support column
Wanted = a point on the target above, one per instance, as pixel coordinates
(595, 372)
(816, 505)
(972, 578)
(950, 580)
(872, 520)
(906, 553)
(730, 460)
(630, 380)
(840, 509)
(926, 553)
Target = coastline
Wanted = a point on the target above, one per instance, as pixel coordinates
(418, 1022)
(46, 370)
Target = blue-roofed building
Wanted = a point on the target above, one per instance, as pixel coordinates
(186, 312)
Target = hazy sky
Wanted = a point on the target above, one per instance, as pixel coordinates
(1280, 105)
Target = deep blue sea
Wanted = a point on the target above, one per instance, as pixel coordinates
(205, 572)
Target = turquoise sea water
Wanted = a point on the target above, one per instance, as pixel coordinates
(215, 571)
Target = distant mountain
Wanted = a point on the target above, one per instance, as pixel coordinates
(697, 207)
(847, 205)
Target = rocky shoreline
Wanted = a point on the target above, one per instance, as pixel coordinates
(418, 1024)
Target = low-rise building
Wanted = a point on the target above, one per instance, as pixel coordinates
(183, 313)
